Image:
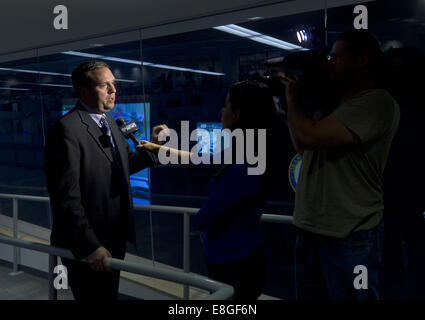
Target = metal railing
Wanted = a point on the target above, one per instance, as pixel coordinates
(15, 198)
(187, 212)
(184, 278)
(221, 291)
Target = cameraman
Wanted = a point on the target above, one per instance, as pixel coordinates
(339, 198)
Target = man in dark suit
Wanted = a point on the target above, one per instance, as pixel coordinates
(87, 164)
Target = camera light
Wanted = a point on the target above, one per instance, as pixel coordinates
(299, 37)
(302, 36)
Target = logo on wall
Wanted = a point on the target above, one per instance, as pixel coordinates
(294, 171)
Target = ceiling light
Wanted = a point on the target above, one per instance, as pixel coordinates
(35, 72)
(259, 37)
(55, 85)
(17, 89)
(137, 62)
(51, 73)
(255, 18)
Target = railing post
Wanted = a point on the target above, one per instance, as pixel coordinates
(49, 212)
(152, 243)
(53, 294)
(186, 251)
(16, 250)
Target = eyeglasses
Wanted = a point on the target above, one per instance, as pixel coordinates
(333, 56)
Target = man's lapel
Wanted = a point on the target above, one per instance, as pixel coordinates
(93, 130)
(120, 144)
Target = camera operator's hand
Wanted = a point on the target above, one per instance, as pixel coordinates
(155, 133)
(294, 87)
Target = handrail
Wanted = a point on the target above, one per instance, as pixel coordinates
(186, 211)
(24, 197)
(276, 218)
(221, 291)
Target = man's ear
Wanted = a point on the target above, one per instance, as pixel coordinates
(364, 60)
(82, 92)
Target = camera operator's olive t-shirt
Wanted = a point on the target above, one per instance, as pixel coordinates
(339, 189)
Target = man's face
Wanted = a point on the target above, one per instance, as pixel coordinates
(101, 94)
(342, 65)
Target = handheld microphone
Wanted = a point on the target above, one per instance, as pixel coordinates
(128, 129)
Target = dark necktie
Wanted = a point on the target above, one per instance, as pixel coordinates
(107, 134)
(106, 130)
(104, 126)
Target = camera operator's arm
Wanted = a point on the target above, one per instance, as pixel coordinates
(284, 116)
(309, 134)
(294, 142)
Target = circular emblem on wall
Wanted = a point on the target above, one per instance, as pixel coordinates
(294, 171)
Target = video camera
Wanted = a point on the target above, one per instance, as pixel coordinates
(311, 67)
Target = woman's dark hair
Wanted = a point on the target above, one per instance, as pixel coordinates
(254, 100)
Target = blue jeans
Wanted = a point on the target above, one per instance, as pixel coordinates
(324, 266)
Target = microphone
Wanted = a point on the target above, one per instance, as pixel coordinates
(128, 129)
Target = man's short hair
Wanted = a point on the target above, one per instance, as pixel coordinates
(360, 42)
(80, 75)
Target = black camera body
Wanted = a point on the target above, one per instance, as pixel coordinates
(311, 67)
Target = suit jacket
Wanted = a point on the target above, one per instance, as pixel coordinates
(89, 191)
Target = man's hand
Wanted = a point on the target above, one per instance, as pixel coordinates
(155, 133)
(98, 260)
